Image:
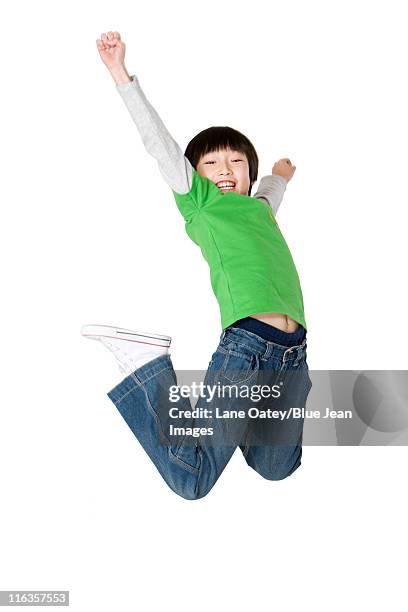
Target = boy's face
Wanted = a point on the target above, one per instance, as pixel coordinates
(228, 169)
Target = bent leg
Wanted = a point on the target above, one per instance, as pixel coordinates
(274, 450)
(137, 398)
(190, 467)
(274, 462)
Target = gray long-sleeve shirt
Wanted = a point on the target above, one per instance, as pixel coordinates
(175, 168)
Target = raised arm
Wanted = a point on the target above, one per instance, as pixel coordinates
(175, 168)
(271, 189)
(272, 186)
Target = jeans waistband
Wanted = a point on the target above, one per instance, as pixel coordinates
(265, 348)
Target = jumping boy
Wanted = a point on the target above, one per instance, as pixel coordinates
(254, 280)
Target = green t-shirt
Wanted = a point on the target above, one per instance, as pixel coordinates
(251, 268)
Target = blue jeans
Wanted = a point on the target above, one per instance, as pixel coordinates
(191, 467)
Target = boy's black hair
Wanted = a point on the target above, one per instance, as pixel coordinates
(223, 137)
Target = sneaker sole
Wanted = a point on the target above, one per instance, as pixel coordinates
(107, 331)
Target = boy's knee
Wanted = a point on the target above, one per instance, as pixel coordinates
(275, 464)
(279, 473)
(189, 488)
(190, 495)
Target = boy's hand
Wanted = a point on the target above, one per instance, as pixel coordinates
(284, 168)
(112, 52)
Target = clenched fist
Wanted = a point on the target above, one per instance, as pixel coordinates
(284, 168)
(112, 52)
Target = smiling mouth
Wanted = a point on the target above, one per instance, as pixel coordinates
(226, 185)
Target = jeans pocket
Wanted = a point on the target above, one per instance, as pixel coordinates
(239, 367)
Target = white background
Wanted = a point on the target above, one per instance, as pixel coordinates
(91, 234)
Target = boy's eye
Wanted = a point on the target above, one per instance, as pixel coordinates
(213, 162)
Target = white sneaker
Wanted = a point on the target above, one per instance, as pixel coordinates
(131, 348)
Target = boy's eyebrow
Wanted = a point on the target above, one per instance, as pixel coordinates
(232, 152)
